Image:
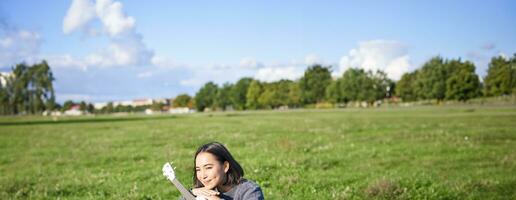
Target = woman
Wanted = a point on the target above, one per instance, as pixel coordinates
(217, 175)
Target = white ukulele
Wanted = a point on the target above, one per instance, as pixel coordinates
(168, 171)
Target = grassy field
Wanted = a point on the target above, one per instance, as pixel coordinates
(388, 153)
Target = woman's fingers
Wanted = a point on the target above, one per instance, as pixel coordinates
(204, 192)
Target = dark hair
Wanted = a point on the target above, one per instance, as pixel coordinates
(235, 172)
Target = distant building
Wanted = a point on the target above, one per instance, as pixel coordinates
(163, 101)
(99, 106)
(181, 110)
(75, 110)
(123, 103)
(142, 102)
(134, 103)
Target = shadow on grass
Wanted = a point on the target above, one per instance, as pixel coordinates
(85, 120)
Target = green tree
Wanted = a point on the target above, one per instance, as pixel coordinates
(267, 99)
(253, 94)
(384, 86)
(156, 106)
(182, 100)
(294, 95)
(223, 99)
(368, 90)
(90, 108)
(109, 108)
(67, 105)
(431, 81)
(275, 94)
(83, 106)
(239, 93)
(41, 88)
(405, 87)
(314, 82)
(5, 94)
(19, 94)
(501, 77)
(28, 89)
(350, 84)
(463, 83)
(333, 92)
(205, 97)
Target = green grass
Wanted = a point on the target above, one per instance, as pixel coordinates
(465, 152)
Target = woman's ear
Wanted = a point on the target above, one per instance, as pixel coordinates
(226, 166)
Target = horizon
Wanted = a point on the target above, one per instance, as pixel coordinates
(105, 50)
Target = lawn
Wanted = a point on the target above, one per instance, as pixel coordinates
(434, 152)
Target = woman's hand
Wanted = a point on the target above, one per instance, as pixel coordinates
(206, 193)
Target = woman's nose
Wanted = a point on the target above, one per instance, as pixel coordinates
(203, 175)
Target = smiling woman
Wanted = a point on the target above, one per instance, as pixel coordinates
(217, 175)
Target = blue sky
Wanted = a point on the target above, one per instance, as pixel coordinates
(102, 50)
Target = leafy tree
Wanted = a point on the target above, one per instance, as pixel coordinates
(405, 88)
(67, 105)
(182, 100)
(333, 92)
(267, 98)
(239, 93)
(294, 94)
(83, 106)
(156, 106)
(205, 98)
(501, 77)
(383, 86)
(431, 81)
(253, 94)
(19, 95)
(463, 83)
(28, 89)
(367, 88)
(5, 94)
(109, 108)
(40, 85)
(90, 108)
(350, 84)
(314, 82)
(359, 85)
(223, 99)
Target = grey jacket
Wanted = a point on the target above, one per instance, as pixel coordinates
(245, 190)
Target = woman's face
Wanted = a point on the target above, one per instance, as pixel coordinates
(209, 170)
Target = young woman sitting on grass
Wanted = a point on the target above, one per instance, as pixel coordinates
(217, 175)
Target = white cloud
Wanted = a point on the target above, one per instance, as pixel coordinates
(193, 82)
(165, 62)
(18, 46)
(270, 74)
(113, 18)
(218, 73)
(312, 59)
(250, 63)
(80, 13)
(146, 74)
(74, 97)
(130, 51)
(65, 61)
(389, 56)
(126, 47)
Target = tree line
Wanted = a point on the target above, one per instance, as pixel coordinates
(438, 78)
(29, 90)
